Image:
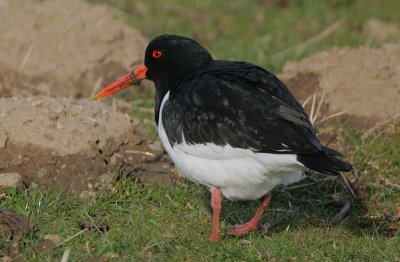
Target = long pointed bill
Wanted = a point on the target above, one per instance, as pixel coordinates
(133, 78)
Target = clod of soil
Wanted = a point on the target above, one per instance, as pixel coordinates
(93, 225)
(63, 47)
(363, 82)
(13, 226)
(68, 143)
(380, 30)
(10, 179)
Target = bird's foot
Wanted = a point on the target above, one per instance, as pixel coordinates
(246, 228)
(254, 223)
(214, 237)
(265, 226)
(243, 229)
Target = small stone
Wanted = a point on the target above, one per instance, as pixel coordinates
(36, 103)
(156, 146)
(18, 161)
(380, 30)
(246, 242)
(44, 245)
(114, 159)
(110, 256)
(93, 120)
(85, 194)
(53, 116)
(41, 173)
(59, 109)
(48, 137)
(10, 179)
(106, 178)
(53, 238)
(127, 117)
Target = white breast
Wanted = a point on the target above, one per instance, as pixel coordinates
(239, 173)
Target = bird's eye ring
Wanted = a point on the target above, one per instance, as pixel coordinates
(157, 53)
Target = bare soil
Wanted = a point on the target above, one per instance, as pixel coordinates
(380, 30)
(63, 48)
(71, 143)
(363, 82)
(68, 48)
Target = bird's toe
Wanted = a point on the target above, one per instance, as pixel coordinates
(243, 229)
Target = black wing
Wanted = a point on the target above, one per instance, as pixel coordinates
(241, 105)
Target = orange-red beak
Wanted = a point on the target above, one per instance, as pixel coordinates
(133, 78)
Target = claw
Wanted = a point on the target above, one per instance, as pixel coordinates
(254, 223)
(243, 229)
(265, 226)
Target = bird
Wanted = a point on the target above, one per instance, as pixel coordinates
(231, 126)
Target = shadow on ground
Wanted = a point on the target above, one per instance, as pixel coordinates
(317, 201)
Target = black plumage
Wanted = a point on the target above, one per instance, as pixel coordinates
(247, 107)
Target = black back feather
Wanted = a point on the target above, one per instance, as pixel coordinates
(245, 106)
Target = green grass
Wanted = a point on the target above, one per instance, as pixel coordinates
(162, 222)
(246, 30)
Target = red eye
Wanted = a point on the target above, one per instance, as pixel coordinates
(157, 53)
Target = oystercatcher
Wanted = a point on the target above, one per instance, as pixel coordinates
(231, 126)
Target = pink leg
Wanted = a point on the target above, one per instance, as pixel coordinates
(216, 199)
(254, 223)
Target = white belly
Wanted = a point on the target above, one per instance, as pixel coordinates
(239, 173)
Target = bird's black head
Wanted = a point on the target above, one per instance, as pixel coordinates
(168, 59)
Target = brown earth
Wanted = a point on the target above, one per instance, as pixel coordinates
(70, 144)
(68, 48)
(63, 48)
(13, 226)
(363, 82)
(380, 30)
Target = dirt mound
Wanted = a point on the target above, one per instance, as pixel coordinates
(13, 226)
(63, 47)
(379, 30)
(68, 143)
(363, 82)
(67, 48)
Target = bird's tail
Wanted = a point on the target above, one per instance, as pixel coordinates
(328, 162)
